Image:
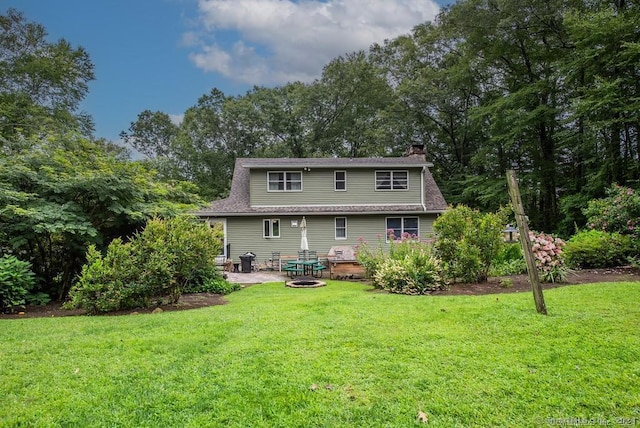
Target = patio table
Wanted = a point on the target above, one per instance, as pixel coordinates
(306, 267)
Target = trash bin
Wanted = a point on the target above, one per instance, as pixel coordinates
(247, 259)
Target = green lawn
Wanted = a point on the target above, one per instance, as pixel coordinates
(336, 356)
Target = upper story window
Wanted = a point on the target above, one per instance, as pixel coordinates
(340, 180)
(284, 181)
(392, 180)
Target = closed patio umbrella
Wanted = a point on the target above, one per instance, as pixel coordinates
(304, 244)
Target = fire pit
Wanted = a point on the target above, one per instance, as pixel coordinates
(305, 282)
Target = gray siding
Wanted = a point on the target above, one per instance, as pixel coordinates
(318, 189)
(245, 233)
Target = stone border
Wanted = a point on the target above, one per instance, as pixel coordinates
(305, 282)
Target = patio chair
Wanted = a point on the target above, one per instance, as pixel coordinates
(275, 261)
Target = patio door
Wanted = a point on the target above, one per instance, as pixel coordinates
(225, 244)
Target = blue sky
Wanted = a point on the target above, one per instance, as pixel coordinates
(164, 54)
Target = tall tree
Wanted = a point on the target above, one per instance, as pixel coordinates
(270, 121)
(346, 103)
(202, 149)
(604, 75)
(60, 194)
(41, 83)
(436, 87)
(518, 45)
(153, 134)
(197, 149)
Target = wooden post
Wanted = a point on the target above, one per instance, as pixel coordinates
(523, 229)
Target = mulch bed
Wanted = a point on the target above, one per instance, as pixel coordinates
(492, 286)
(521, 282)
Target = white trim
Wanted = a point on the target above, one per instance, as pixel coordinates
(332, 164)
(339, 205)
(211, 221)
(216, 214)
(422, 173)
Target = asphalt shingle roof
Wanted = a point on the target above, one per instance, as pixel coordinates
(238, 201)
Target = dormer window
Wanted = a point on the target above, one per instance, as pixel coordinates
(392, 180)
(284, 181)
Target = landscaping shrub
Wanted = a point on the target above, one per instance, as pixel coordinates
(508, 261)
(410, 267)
(618, 212)
(16, 280)
(215, 286)
(598, 249)
(509, 267)
(508, 253)
(468, 241)
(368, 257)
(417, 273)
(159, 262)
(506, 282)
(109, 283)
(549, 257)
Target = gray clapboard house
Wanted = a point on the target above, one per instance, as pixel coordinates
(342, 200)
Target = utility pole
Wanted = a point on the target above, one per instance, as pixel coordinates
(523, 229)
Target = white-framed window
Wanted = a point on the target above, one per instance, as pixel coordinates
(392, 180)
(340, 181)
(341, 227)
(271, 228)
(402, 228)
(284, 181)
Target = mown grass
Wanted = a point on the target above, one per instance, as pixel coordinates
(337, 356)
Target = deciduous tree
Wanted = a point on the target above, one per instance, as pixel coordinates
(60, 194)
(41, 83)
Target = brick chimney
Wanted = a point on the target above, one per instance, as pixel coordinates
(416, 150)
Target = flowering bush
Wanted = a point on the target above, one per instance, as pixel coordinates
(369, 257)
(618, 212)
(417, 273)
(549, 258)
(409, 268)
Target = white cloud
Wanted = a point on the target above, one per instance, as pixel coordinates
(278, 41)
(176, 119)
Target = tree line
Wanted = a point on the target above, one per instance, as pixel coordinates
(61, 189)
(548, 88)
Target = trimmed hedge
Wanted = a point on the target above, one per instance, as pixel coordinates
(598, 249)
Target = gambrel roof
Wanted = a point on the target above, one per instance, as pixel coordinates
(238, 202)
